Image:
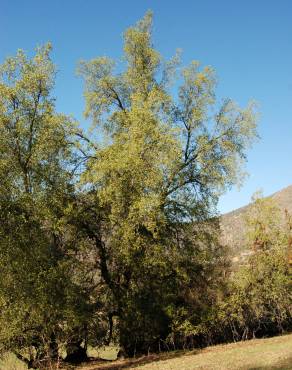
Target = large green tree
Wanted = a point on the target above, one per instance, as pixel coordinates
(38, 297)
(159, 164)
(118, 242)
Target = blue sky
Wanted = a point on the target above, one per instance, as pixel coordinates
(249, 43)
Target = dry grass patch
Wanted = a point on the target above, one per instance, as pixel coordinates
(271, 353)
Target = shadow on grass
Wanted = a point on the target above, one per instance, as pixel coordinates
(133, 362)
(285, 364)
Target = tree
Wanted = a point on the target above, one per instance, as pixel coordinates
(40, 302)
(113, 237)
(263, 223)
(258, 300)
(159, 166)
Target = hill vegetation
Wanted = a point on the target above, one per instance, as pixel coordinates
(234, 224)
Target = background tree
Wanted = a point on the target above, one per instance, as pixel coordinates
(258, 298)
(263, 223)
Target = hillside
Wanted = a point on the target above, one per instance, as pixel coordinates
(233, 223)
(271, 353)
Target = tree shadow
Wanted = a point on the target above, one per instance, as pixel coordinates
(133, 362)
(285, 364)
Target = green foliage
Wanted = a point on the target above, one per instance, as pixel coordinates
(160, 152)
(113, 238)
(258, 298)
(263, 224)
(34, 139)
(39, 302)
(160, 167)
(261, 298)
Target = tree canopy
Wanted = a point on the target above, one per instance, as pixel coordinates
(111, 235)
(161, 165)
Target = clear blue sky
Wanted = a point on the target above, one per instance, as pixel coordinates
(249, 43)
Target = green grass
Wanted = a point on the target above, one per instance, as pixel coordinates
(271, 353)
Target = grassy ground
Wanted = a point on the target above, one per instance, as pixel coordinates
(272, 353)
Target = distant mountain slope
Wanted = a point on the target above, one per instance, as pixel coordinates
(233, 223)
